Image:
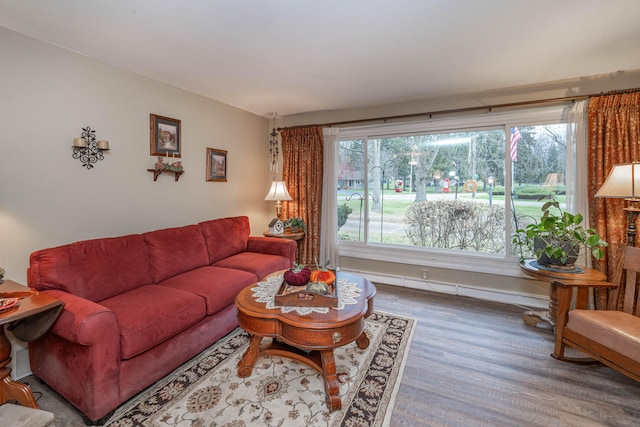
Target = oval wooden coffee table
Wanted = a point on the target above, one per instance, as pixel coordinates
(309, 338)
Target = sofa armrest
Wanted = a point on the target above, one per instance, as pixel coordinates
(84, 322)
(80, 355)
(273, 246)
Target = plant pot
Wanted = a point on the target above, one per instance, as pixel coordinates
(572, 249)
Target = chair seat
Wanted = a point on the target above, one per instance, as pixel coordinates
(617, 330)
(21, 416)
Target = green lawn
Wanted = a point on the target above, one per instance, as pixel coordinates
(395, 205)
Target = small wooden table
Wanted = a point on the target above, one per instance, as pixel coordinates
(309, 338)
(291, 236)
(29, 319)
(532, 317)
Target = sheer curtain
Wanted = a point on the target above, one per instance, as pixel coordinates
(329, 214)
(577, 141)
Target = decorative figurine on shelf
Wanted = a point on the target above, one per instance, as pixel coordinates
(276, 226)
(176, 166)
(160, 163)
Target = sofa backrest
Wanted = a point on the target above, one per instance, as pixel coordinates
(225, 236)
(175, 250)
(93, 269)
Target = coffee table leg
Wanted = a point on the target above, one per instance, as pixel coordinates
(362, 341)
(330, 377)
(245, 365)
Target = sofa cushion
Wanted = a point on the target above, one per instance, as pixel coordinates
(259, 264)
(151, 314)
(93, 269)
(218, 286)
(225, 237)
(175, 250)
(616, 330)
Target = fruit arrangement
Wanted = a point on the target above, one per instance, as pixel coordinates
(305, 287)
(318, 281)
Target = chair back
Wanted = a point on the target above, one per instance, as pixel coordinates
(626, 275)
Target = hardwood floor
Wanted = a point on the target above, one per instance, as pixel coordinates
(475, 363)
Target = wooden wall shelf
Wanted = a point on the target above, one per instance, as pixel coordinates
(158, 172)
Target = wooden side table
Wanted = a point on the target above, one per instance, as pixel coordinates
(28, 320)
(532, 317)
(290, 236)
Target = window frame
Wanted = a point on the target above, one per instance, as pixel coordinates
(500, 264)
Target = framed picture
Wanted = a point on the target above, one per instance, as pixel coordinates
(216, 165)
(165, 136)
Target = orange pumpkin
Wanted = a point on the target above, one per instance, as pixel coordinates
(326, 276)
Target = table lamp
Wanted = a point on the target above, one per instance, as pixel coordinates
(278, 192)
(623, 182)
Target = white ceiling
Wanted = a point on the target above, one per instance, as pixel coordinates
(293, 56)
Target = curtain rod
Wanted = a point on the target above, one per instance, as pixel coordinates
(468, 109)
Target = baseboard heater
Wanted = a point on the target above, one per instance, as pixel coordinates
(498, 295)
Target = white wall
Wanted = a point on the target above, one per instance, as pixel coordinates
(47, 95)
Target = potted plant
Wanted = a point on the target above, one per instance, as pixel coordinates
(295, 225)
(556, 239)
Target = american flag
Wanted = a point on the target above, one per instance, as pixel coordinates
(515, 137)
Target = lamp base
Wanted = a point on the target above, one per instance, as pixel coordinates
(632, 216)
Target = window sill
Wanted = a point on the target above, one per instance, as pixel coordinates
(453, 260)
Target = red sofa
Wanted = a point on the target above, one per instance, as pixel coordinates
(136, 307)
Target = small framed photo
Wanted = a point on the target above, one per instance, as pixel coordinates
(216, 165)
(165, 136)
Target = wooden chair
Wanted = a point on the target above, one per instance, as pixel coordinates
(610, 336)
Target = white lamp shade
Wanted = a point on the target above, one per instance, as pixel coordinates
(623, 182)
(278, 191)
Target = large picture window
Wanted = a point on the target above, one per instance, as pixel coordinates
(451, 186)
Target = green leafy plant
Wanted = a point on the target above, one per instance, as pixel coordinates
(558, 235)
(343, 213)
(296, 223)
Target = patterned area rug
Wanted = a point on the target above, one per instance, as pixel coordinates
(207, 391)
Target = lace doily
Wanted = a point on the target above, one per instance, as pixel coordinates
(265, 292)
